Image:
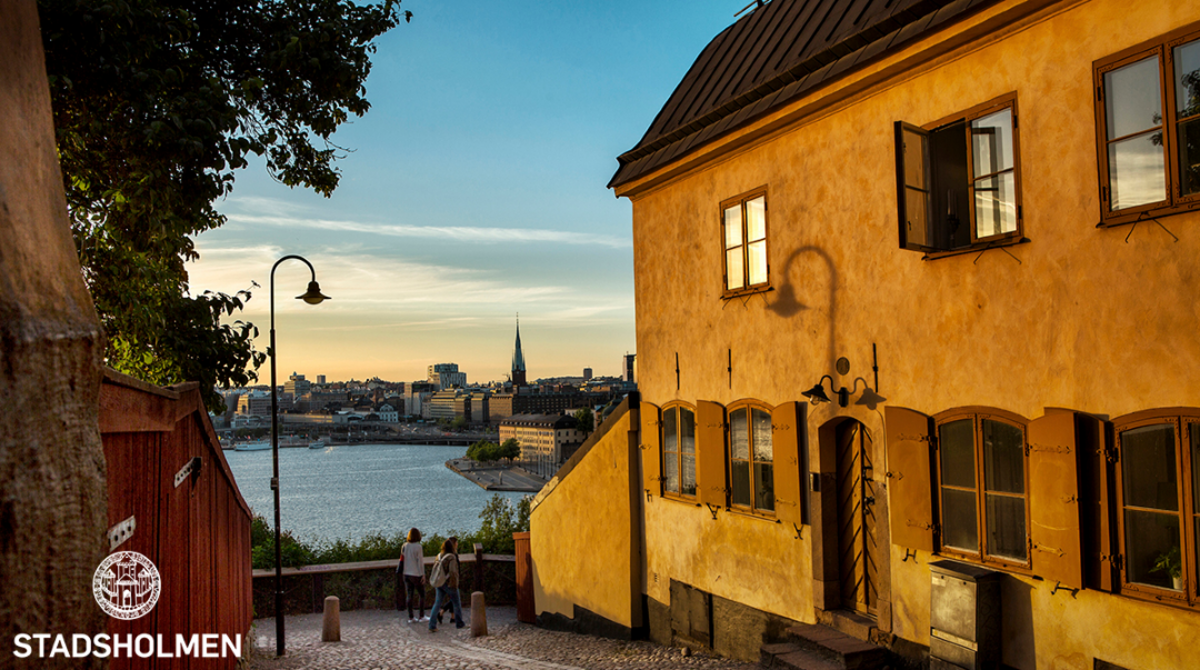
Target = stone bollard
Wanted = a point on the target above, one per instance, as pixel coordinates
(331, 625)
(478, 615)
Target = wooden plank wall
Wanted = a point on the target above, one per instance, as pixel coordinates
(197, 534)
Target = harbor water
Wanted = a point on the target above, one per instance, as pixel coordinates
(348, 492)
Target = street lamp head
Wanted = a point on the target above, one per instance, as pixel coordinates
(313, 295)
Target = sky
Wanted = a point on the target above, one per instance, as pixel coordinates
(474, 191)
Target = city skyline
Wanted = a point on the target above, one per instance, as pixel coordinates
(475, 189)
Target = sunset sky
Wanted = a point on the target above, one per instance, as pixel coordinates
(475, 190)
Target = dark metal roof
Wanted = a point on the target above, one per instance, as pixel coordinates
(771, 57)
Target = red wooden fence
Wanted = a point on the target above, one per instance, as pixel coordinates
(193, 525)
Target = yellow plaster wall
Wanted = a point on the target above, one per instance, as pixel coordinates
(1079, 317)
(582, 534)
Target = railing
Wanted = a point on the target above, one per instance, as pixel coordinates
(375, 584)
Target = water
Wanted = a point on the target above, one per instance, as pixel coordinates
(349, 492)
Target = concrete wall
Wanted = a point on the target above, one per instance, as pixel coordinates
(1092, 319)
(587, 573)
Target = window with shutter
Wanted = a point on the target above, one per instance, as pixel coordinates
(679, 450)
(1055, 528)
(790, 467)
(751, 458)
(710, 454)
(909, 446)
(651, 451)
(1158, 503)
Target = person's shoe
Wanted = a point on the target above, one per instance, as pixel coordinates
(432, 630)
(423, 618)
(460, 625)
(411, 620)
(439, 618)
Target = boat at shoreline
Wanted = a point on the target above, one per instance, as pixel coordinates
(253, 446)
(318, 444)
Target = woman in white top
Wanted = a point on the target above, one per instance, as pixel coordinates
(412, 566)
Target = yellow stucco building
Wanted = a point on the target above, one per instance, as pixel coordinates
(916, 283)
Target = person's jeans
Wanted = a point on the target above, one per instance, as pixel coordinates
(445, 593)
(414, 590)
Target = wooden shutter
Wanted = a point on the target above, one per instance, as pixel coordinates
(914, 188)
(710, 453)
(910, 490)
(786, 430)
(1054, 515)
(651, 448)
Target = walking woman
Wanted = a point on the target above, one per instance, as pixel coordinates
(445, 578)
(412, 567)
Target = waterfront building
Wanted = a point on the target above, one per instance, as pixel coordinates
(296, 385)
(547, 440)
(255, 403)
(923, 341)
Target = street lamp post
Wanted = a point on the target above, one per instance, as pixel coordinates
(313, 297)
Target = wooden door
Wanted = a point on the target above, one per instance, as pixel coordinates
(858, 545)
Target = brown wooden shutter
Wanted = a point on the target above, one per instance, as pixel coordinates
(786, 428)
(710, 453)
(910, 490)
(1094, 439)
(651, 443)
(913, 188)
(1054, 516)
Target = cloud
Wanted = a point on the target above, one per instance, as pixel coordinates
(464, 234)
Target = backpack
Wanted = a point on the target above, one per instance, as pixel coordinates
(440, 574)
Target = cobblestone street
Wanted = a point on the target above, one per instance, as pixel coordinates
(384, 640)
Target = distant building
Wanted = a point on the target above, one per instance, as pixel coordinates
(446, 376)
(587, 374)
(518, 361)
(320, 379)
(296, 385)
(254, 403)
(629, 368)
(547, 440)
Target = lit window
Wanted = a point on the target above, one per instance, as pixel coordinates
(958, 185)
(744, 227)
(751, 459)
(679, 450)
(1149, 158)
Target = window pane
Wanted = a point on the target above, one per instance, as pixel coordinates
(958, 520)
(739, 476)
(764, 486)
(916, 216)
(1136, 171)
(1151, 543)
(1132, 98)
(914, 160)
(991, 143)
(756, 219)
(733, 226)
(1003, 457)
(739, 437)
(1006, 527)
(1148, 467)
(687, 475)
(1189, 156)
(957, 447)
(1187, 79)
(733, 269)
(671, 471)
(996, 205)
(762, 435)
(687, 431)
(670, 431)
(757, 253)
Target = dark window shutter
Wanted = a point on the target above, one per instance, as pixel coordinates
(1054, 512)
(910, 490)
(914, 188)
(786, 426)
(1092, 438)
(710, 453)
(651, 448)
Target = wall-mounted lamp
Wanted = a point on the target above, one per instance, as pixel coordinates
(869, 397)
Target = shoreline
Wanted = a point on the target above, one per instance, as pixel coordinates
(491, 478)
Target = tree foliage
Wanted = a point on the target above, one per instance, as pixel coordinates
(586, 420)
(156, 104)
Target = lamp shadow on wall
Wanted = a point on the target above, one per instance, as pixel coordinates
(786, 303)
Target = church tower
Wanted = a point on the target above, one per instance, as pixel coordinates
(518, 360)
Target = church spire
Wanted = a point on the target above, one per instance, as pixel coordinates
(518, 359)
